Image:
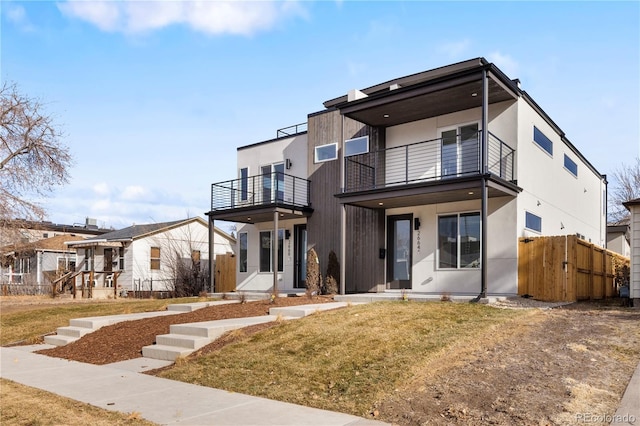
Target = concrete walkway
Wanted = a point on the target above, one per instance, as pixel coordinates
(122, 387)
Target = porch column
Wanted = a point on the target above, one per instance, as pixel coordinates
(484, 156)
(343, 248)
(274, 251)
(212, 273)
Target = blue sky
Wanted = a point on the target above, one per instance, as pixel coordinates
(154, 97)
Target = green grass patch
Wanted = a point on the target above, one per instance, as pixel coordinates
(30, 325)
(342, 360)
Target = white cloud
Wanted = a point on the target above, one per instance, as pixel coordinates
(211, 17)
(17, 15)
(506, 63)
(101, 189)
(455, 49)
(134, 192)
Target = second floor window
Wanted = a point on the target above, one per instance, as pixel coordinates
(326, 153)
(155, 258)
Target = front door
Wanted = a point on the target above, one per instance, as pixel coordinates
(399, 256)
(300, 255)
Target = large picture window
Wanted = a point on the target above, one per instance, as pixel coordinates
(242, 239)
(265, 251)
(459, 241)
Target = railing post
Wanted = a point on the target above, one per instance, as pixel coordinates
(501, 159)
(406, 164)
(293, 200)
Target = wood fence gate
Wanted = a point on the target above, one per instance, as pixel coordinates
(225, 278)
(566, 269)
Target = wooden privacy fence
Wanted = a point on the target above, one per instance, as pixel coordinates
(225, 278)
(566, 269)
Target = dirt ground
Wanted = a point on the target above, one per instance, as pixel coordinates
(555, 366)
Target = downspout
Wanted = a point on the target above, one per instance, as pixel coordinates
(212, 273)
(484, 154)
(343, 220)
(274, 251)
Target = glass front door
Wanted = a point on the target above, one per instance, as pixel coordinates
(300, 253)
(399, 247)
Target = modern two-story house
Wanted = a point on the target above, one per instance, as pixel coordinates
(419, 184)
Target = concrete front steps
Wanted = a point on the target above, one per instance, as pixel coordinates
(81, 326)
(185, 339)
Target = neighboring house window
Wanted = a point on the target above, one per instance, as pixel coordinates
(87, 259)
(22, 265)
(108, 260)
(533, 222)
(542, 141)
(121, 258)
(356, 146)
(242, 238)
(459, 241)
(155, 258)
(45, 235)
(244, 183)
(265, 251)
(570, 165)
(195, 259)
(326, 152)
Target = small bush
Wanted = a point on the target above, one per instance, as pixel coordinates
(332, 277)
(314, 278)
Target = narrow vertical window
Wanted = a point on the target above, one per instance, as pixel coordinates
(121, 258)
(242, 240)
(265, 251)
(244, 184)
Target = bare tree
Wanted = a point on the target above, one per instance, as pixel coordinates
(625, 186)
(32, 157)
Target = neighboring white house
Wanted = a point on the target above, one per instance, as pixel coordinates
(39, 262)
(423, 183)
(145, 257)
(634, 291)
(619, 237)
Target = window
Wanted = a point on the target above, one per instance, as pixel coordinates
(242, 238)
(570, 165)
(459, 241)
(265, 251)
(460, 150)
(87, 259)
(326, 152)
(273, 182)
(155, 258)
(542, 141)
(533, 222)
(244, 183)
(121, 258)
(356, 146)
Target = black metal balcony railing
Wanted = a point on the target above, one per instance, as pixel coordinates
(291, 130)
(272, 188)
(426, 161)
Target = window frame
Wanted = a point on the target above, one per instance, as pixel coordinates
(243, 256)
(458, 242)
(154, 261)
(280, 251)
(542, 140)
(353, 140)
(244, 184)
(571, 162)
(316, 160)
(527, 215)
(121, 258)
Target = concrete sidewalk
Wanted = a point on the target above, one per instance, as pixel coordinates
(118, 387)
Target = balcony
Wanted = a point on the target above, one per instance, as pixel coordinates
(255, 198)
(449, 169)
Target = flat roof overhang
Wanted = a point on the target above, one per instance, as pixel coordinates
(433, 98)
(260, 214)
(434, 192)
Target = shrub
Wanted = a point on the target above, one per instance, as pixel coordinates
(332, 277)
(314, 278)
